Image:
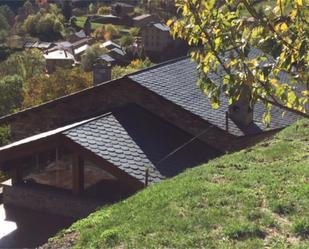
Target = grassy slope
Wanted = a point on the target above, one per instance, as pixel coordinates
(257, 198)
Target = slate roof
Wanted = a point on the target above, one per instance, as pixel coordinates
(80, 34)
(132, 139)
(176, 82)
(117, 51)
(162, 27)
(81, 49)
(126, 5)
(107, 58)
(110, 45)
(59, 55)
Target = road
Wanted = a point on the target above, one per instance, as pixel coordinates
(20, 228)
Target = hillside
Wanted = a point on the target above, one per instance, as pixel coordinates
(256, 198)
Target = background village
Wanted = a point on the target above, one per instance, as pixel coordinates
(107, 34)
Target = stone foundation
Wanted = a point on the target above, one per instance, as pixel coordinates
(47, 200)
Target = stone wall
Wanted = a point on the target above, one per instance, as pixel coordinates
(105, 97)
(48, 201)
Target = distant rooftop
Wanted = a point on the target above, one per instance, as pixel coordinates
(161, 26)
(81, 49)
(81, 34)
(110, 44)
(118, 51)
(107, 58)
(123, 4)
(59, 55)
(141, 17)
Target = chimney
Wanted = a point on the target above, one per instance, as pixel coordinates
(241, 112)
(101, 73)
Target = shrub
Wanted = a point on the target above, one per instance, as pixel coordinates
(244, 231)
(4, 135)
(301, 228)
(104, 10)
(283, 206)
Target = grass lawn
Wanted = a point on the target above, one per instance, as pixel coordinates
(81, 20)
(256, 198)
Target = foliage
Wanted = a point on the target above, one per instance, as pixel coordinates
(163, 8)
(90, 56)
(66, 7)
(216, 29)
(225, 203)
(30, 63)
(104, 10)
(126, 40)
(45, 25)
(135, 65)
(92, 8)
(28, 8)
(4, 28)
(42, 88)
(7, 13)
(6, 20)
(11, 94)
(134, 31)
(112, 29)
(4, 136)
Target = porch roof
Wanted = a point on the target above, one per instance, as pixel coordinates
(130, 139)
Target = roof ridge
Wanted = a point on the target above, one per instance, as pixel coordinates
(87, 121)
(168, 62)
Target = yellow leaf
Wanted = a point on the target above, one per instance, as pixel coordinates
(299, 2)
(283, 27)
(169, 22)
(274, 82)
(305, 93)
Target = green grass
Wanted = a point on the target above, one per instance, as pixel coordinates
(256, 198)
(81, 20)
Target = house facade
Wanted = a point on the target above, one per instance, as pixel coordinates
(155, 37)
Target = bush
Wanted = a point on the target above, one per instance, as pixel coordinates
(90, 56)
(62, 82)
(134, 66)
(104, 10)
(244, 231)
(48, 26)
(301, 228)
(30, 63)
(11, 94)
(112, 29)
(283, 207)
(4, 135)
(126, 40)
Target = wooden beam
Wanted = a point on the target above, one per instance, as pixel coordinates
(17, 176)
(30, 148)
(77, 174)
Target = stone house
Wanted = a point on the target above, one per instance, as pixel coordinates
(122, 9)
(144, 20)
(155, 37)
(106, 142)
(58, 59)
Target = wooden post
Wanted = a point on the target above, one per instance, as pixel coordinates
(227, 121)
(77, 174)
(146, 176)
(17, 176)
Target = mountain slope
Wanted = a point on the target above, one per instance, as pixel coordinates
(256, 198)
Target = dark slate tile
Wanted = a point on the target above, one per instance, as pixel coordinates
(176, 81)
(139, 140)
